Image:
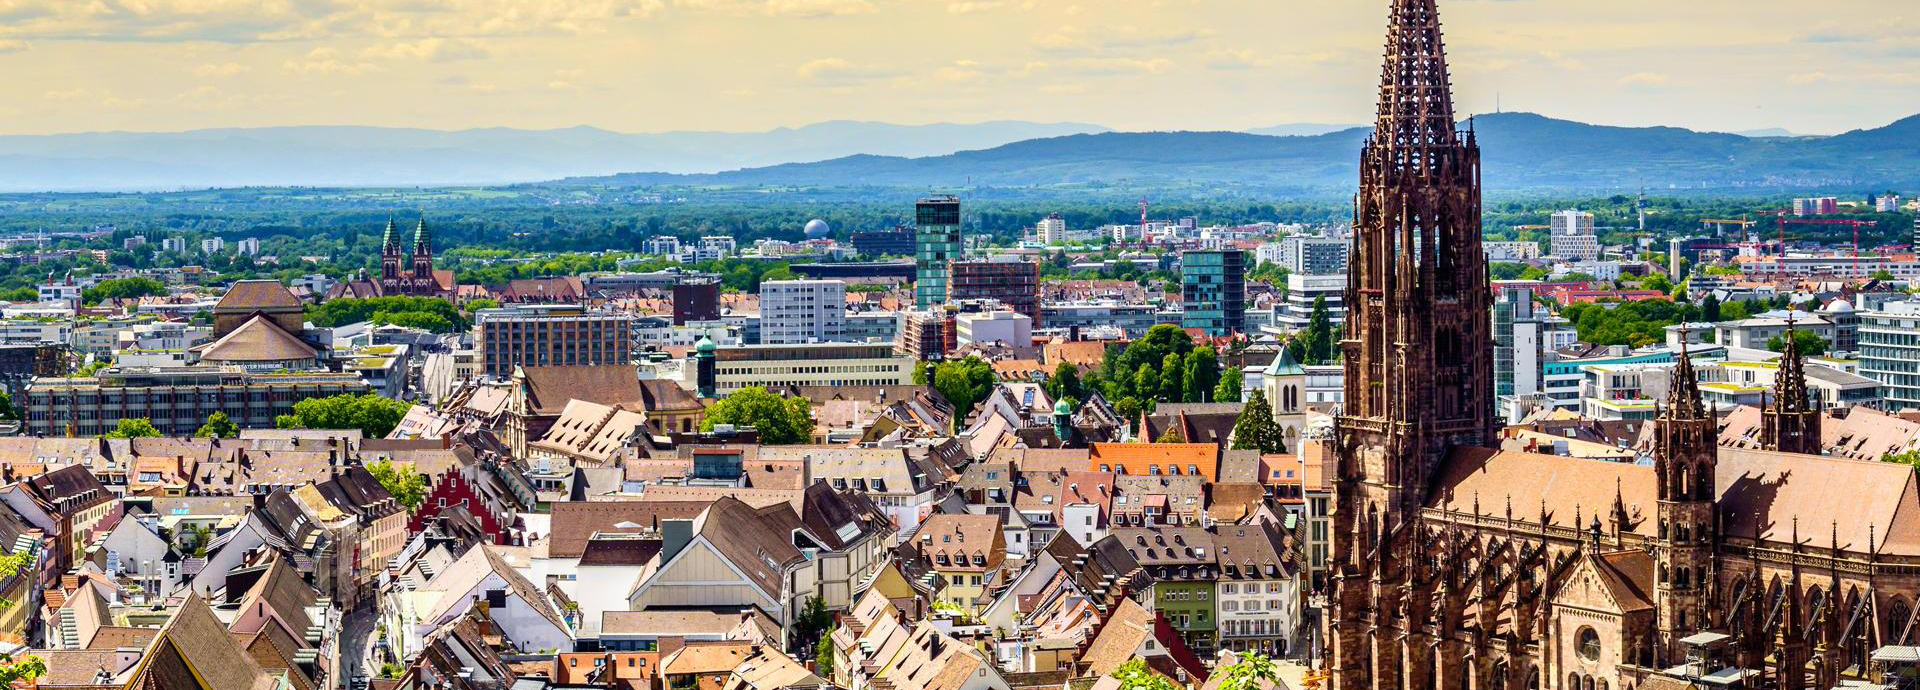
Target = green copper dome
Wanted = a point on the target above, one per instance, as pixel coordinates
(1062, 407)
(705, 346)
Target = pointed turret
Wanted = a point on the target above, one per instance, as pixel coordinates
(422, 239)
(1683, 394)
(390, 240)
(1790, 423)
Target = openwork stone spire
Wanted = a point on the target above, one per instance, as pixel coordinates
(1416, 95)
(1683, 394)
(1791, 423)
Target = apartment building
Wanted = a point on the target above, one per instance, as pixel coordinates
(549, 335)
(177, 399)
(811, 364)
(1012, 282)
(803, 311)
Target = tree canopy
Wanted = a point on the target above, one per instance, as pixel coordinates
(1638, 323)
(373, 414)
(122, 288)
(780, 421)
(218, 426)
(1255, 428)
(407, 487)
(1810, 343)
(431, 313)
(133, 427)
(965, 383)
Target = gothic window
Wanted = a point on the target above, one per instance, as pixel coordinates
(1589, 645)
(1897, 614)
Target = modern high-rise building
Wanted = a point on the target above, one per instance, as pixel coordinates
(1310, 255)
(1051, 229)
(1014, 283)
(936, 222)
(1303, 290)
(1890, 352)
(1213, 290)
(1522, 342)
(803, 311)
(1816, 206)
(1573, 236)
(549, 335)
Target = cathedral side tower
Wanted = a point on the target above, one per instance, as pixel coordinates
(1685, 455)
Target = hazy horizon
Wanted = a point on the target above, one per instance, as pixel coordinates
(647, 66)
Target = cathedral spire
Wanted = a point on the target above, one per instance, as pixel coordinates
(1790, 423)
(1416, 94)
(1683, 394)
(1790, 386)
(390, 238)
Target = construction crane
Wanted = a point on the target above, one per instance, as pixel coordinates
(1784, 220)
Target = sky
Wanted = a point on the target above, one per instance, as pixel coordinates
(743, 65)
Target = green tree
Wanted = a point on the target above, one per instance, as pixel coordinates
(1907, 457)
(479, 303)
(1251, 671)
(1231, 381)
(1201, 373)
(1255, 429)
(133, 427)
(965, 383)
(1319, 333)
(1810, 344)
(122, 288)
(1065, 382)
(409, 488)
(218, 426)
(426, 321)
(823, 655)
(814, 624)
(1881, 274)
(1172, 434)
(780, 421)
(1146, 383)
(20, 294)
(1172, 377)
(373, 414)
(1134, 674)
(1710, 309)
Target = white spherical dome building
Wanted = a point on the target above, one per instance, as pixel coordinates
(817, 228)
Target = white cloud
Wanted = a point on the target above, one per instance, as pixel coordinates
(839, 72)
(13, 46)
(223, 69)
(429, 49)
(1645, 79)
(327, 61)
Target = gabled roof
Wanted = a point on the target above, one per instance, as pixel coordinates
(549, 388)
(192, 651)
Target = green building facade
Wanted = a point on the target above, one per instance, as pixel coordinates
(1213, 291)
(936, 224)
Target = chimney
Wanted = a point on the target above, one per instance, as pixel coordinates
(674, 536)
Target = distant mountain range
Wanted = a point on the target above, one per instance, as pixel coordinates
(377, 156)
(1521, 151)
